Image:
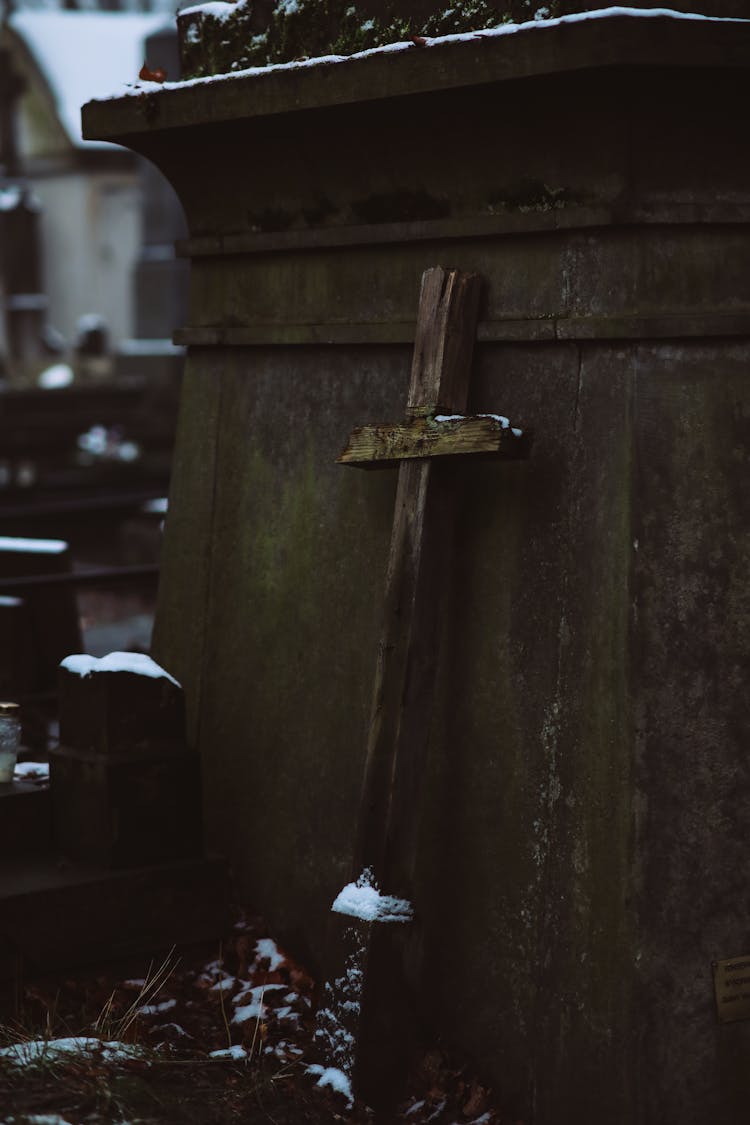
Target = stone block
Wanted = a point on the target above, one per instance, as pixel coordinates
(25, 820)
(124, 810)
(102, 915)
(16, 659)
(52, 610)
(123, 703)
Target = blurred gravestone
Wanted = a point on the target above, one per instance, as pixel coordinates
(52, 611)
(40, 630)
(16, 655)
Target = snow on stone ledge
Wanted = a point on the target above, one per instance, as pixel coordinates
(218, 9)
(136, 662)
(139, 88)
(33, 546)
(31, 771)
(363, 900)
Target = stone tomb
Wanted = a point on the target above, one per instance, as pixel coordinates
(582, 833)
(125, 788)
(112, 851)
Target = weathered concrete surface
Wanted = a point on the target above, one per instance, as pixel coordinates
(583, 814)
(691, 601)
(295, 676)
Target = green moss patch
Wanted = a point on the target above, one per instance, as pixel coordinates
(214, 43)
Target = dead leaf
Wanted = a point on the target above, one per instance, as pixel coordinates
(301, 980)
(429, 1068)
(242, 949)
(265, 976)
(147, 75)
(476, 1103)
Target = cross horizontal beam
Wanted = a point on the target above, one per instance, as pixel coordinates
(436, 435)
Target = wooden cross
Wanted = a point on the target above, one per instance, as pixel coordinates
(435, 427)
(434, 430)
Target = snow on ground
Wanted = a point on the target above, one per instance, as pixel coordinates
(47, 1050)
(156, 1009)
(38, 1119)
(267, 949)
(444, 1092)
(334, 1078)
(236, 1051)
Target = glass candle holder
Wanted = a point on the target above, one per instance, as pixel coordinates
(10, 736)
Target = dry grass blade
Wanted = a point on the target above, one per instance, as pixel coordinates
(155, 981)
(258, 1021)
(104, 1019)
(224, 1017)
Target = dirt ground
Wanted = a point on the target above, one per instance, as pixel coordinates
(246, 997)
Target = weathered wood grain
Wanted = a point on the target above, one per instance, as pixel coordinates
(434, 431)
(420, 538)
(383, 446)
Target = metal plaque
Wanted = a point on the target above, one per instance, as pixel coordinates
(732, 984)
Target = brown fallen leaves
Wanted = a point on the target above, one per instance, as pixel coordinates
(190, 1017)
(445, 1093)
(156, 75)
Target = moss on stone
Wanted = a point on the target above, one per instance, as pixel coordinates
(297, 29)
(400, 207)
(531, 195)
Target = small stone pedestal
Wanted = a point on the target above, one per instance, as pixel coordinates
(24, 820)
(125, 787)
(124, 807)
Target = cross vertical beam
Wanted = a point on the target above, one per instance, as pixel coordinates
(419, 551)
(423, 445)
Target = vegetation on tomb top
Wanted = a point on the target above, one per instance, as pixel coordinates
(257, 33)
(225, 37)
(229, 37)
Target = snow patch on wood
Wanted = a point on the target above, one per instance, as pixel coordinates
(363, 900)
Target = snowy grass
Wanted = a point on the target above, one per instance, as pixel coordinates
(102, 1046)
(109, 1027)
